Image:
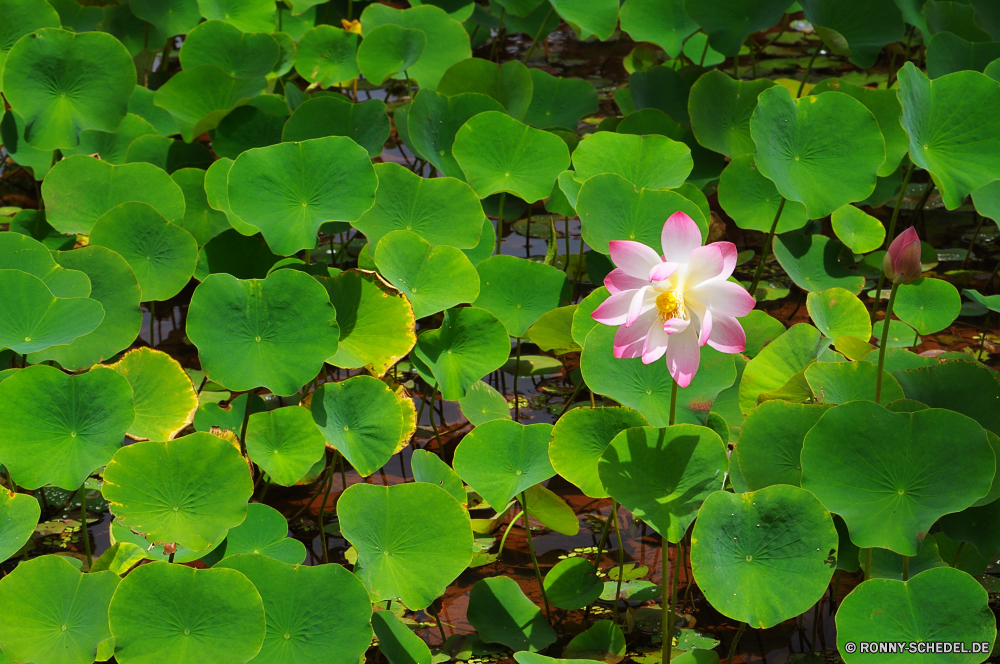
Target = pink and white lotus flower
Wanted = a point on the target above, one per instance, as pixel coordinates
(675, 303)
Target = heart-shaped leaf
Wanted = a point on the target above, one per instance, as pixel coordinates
(838, 313)
(170, 17)
(19, 515)
(502, 613)
(200, 220)
(388, 50)
(334, 115)
(264, 532)
(812, 261)
(509, 83)
(650, 162)
(559, 102)
(112, 146)
(199, 98)
(770, 442)
(502, 458)
(721, 109)
(434, 119)
(164, 398)
(222, 44)
(21, 17)
(753, 201)
(398, 642)
(865, 27)
(519, 291)
(729, 22)
(928, 305)
(285, 443)
(247, 15)
(580, 438)
(859, 231)
(327, 55)
(660, 22)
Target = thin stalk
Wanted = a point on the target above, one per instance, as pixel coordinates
(152, 324)
(517, 374)
(496, 42)
(571, 397)
(538, 35)
(982, 336)
(954, 560)
(621, 563)
(975, 234)
(667, 610)
(343, 473)
(736, 66)
(889, 237)
(753, 60)
(868, 564)
(437, 436)
(503, 198)
(892, 61)
(350, 10)
(736, 640)
(263, 493)
(437, 619)
(553, 246)
(322, 483)
(171, 558)
(506, 532)
(906, 568)
(765, 248)
(527, 235)
(802, 85)
(409, 85)
(989, 281)
(246, 421)
(83, 524)
(568, 252)
(604, 536)
(534, 559)
(673, 405)
(704, 52)
(882, 345)
(322, 528)
(204, 380)
(834, 588)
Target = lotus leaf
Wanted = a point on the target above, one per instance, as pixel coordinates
(332, 115)
(388, 50)
(648, 162)
(199, 98)
(20, 252)
(664, 23)
(837, 313)
(224, 45)
(502, 613)
(721, 109)
(433, 120)
(770, 442)
(559, 102)
(779, 361)
(21, 17)
(397, 641)
(509, 83)
(264, 532)
(579, 439)
(247, 15)
(753, 201)
(572, 584)
(170, 17)
(112, 146)
(255, 125)
(285, 443)
(167, 153)
(928, 305)
(518, 291)
(502, 458)
(812, 263)
(200, 220)
(428, 467)
(164, 398)
(839, 382)
(327, 55)
(19, 515)
(470, 343)
(729, 22)
(859, 231)
(121, 534)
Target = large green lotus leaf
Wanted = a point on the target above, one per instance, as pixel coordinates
(412, 539)
(720, 110)
(823, 150)
(838, 313)
(729, 22)
(593, 18)
(612, 208)
(606, 640)
(770, 559)
(839, 382)
(32, 319)
(162, 256)
(888, 565)
(649, 162)
(397, 641)
(19, 515)
(114, 286)
(80, 81)
(572, 584)
(55, 613)
(222, 44)
(119, 558)
(662, 89)
(111, 146)
(429, 467)
(19, 150)
(554, 331)
(865, 27)
(928, 305)
(812, 263)
(519, 291)
(450, 40)
(432, 278)
(171, 613)
(199, 98)
(952, 133)
(469, 344)
(289, 190)
(891, 475)
(559, 102)
(976, 525)
(362, 418)
(941, 604)
(376, 321)
(509, 83)
(32, 223)
(964, 387)
(296, 599)
(499, 154)
(948, 53)
(663, 475)
(274, 332)
(200, 220)
(779, 361)
(770, 442)
(285, 443)
(244, 257)
(859, 231)
(958, 18)
(217, 192)
(263, 532)
(333, 115)
(170, 17)
(188, 491)
(119, 533)
(752, 200)
(60, 428)
(327, 55)
(433, 120)
(168, 153)
(164, 397)
(80, 190)
(646, 387)
(442, 211)
(135, 34)
(21, 252)
(502, 613)
(247, 15)
(250, 126)
(388, 50)
(580, 438)
(22, 17)
(502, 458)
(660, 22)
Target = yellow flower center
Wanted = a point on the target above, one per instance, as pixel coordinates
(670, 305)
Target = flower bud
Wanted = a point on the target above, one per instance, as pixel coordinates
(901, 264)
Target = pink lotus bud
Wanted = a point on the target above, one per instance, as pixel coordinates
(901, 264)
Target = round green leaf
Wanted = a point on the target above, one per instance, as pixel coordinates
(20, 252)
(60, 428)
(572, 584)
(321, 180)
(442, 211)
(164, 398)
(604, 639)
(769, 560)
(250, 126)
(55, 613)
(362, 418)
(729, 22)
(200, 220)
(19, 515)
(171, 613)
(397, 641)
(19, 150)
(721, 109)
(134, 33)
(294, 599)
(812, 263)
(112, 146)
(499, 154)
(285, 443)
(502, 613)
(264, 532)
(428, 467)
(859, 231)
(901, 335)
(432, 278)
(247, 15)
(502, 458)
(837, 313)
(840, 382)
(777, 363)
(170, 17)
(558, 101)
(948, 53)
(553, 331)
(389, 49)
(823, 151)
(752, 200)
(434, 119)
(32, 319)
(412, 539)
(195, 512)
(79, 81)
(770, 442)
(199, 98)
(327, 55)
(938, 605)
(469, 344)
(119, 533)
(21, 17)
(519, 291)
(660, 22)
(968, 388)
(244, 257)
(509, 83)
(928, 305)
(892, 475)
(334, 115)
(217, 191)
(650, 162)
(273, 333)
(222, 44)
(580, 438)
(162, 256)
(663, 475)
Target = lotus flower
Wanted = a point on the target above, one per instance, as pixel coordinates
(901, 264)
(675, 303)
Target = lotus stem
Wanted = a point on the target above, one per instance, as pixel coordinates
(534, 558)
(890, 236)
(975, 234)
(506, 532)
(882, 345)
(437, 436)
(322, 528)
(246, 421)
(83, 524)
(621, 562)
(764, 249)
(496, 42)
(553, 247)
(982, 335)
(409, 86)
(152, 324)
(906, 568)
(341, 461)
(673, 405)
(704, 52)
(954, 560)
(868, 564)
(517, 374)
(437, 619)
(568, 252)
(668, 610)
(503, 198)
(538, 35)
(809, 68)
(170, 558)
(736, 640)
(322, 483)
(571, 397)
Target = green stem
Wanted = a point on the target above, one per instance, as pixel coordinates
(668, 610)
(975, 234)
(503, 198)
(704, 52)
(343, 473)
(802, 85)
(568, 252)
(868, 564)
(736, 640)
(604, 536)
(621, 561)
(517, 374)
(906, 568)
(553, 247)
(322, 528)
(496, 42)
(506, 532)
(538, 35)
(571, 397)
(83, 524)
(673, 403)
(882, 344)
(350, 10)
(437, 436)
(889, 237)
(982, 335)
(534, 559)
(954, 560)
(409, 86)
(763, 251)
(322, 483)
(246, 421)
(152, 324)
(437, 619)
